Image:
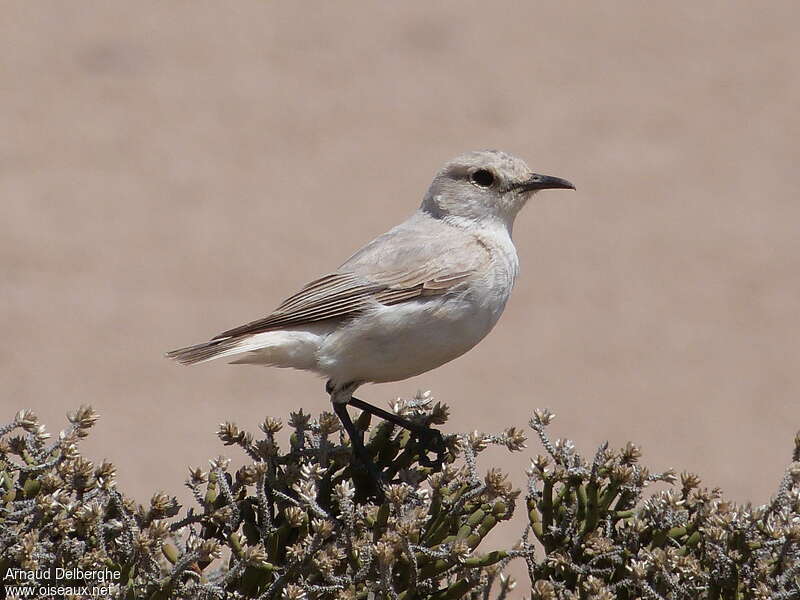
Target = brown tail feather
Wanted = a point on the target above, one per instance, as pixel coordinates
(201, 352)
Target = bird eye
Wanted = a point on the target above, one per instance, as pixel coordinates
(482, 178)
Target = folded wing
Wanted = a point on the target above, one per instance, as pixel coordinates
(412, 260)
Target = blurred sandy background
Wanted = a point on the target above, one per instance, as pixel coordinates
(169, 170)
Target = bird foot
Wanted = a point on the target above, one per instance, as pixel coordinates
(430, 440)
(365, 473)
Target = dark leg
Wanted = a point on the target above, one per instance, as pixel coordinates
(429, 439)
(360, 454)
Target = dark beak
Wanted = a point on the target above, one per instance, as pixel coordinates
(544, 182)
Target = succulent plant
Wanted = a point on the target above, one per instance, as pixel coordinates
(604, 539)
(302, 521)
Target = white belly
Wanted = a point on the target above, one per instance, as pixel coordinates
(395, 342)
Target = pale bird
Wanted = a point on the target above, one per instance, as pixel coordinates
(412, 299)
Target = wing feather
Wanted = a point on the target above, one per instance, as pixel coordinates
(379, 273)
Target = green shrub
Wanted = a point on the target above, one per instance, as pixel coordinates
(299, 522)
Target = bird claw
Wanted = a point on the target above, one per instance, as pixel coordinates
(431, 440)
(369, 476)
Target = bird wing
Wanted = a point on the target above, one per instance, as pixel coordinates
(402, 264)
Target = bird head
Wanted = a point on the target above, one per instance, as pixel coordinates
(485, 185)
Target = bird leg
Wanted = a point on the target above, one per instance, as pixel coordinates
(361, 457)
(429, 439)
(360, 453)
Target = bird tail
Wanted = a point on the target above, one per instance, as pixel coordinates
(295, 349)
(216, 348)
